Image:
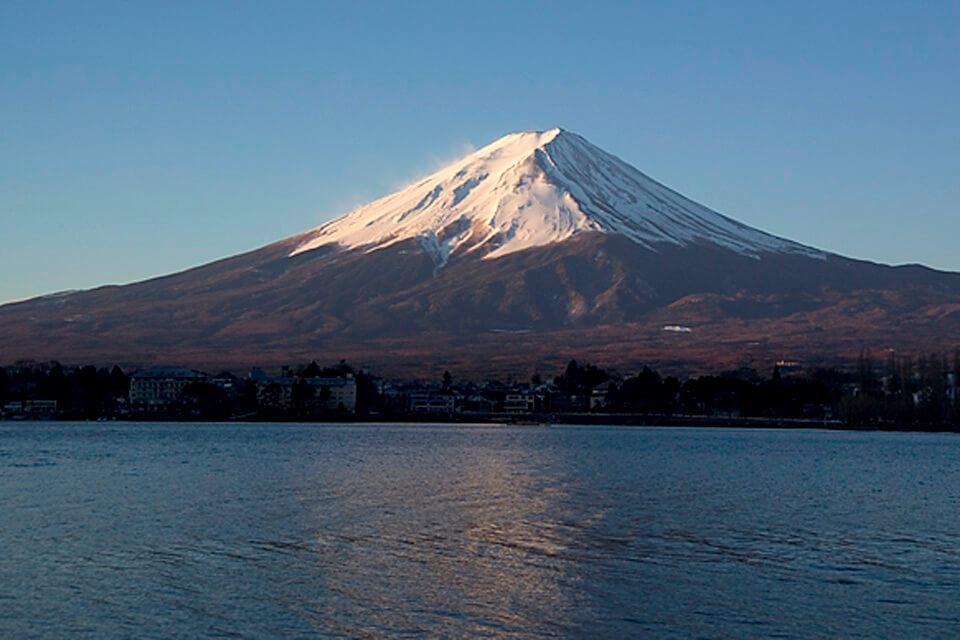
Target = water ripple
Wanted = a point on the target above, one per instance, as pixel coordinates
(288, 531)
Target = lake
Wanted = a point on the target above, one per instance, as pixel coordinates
(125, 530)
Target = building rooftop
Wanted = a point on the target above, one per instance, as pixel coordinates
(170, 372)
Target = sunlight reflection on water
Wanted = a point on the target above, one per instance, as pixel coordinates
(468, 531)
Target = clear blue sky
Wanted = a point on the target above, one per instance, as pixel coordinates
(138, 138)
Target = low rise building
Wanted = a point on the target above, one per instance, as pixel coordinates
(432, 403)
(599, 394)
(13, 407)
(36, 409)
(475, 403)
(519, 403)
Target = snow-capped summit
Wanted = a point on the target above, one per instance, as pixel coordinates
(535, 188)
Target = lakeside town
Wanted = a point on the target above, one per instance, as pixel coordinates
(902, 393)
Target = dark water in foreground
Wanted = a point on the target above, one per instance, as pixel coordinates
(286, 531)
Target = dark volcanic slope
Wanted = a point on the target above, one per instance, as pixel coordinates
(596, 296)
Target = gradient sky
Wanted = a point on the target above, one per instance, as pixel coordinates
(138, 138)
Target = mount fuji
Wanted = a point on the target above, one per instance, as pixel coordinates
(534, 249)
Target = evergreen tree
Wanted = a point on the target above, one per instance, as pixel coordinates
(312, 370)
(867, 375)
(938, 390)
(908, 381)
(119, 383)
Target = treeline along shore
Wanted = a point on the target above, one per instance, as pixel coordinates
(919, 393)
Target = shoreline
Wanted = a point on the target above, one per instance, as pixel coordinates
(534, 420)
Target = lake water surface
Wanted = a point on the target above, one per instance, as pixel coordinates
(378, 531)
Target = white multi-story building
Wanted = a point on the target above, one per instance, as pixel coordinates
(161, 387)
(279, 391)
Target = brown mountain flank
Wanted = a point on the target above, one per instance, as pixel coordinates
(598, 297)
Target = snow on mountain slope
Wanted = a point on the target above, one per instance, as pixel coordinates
(535, 188)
